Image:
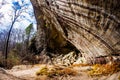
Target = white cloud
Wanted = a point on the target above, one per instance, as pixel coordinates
(8, 12)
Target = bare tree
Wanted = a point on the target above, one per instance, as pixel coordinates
(16, 16)
(3, 36)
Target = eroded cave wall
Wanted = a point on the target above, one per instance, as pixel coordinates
(92, 26)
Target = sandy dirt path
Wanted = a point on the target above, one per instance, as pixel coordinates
(29, 73)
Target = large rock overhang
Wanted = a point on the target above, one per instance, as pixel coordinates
(91, 26)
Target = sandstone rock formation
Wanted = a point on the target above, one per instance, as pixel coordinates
(91, 28)
(5, 76)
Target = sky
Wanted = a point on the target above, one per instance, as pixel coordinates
(23, 9)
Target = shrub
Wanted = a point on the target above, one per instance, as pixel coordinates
(13, 59)
(56, 71)
(43, 71)
(104, 69)
(2, 61)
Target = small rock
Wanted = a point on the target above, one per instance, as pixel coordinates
(2, 70)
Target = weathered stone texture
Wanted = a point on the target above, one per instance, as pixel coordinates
(92, 26)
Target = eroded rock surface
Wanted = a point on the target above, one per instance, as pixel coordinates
(5, 76)
(91, 27)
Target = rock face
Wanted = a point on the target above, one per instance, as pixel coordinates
(89, 27)
(5, 76)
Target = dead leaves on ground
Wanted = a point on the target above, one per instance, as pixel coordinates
(56, 71)
(104, 69)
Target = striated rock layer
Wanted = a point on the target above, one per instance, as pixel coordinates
(89, 26)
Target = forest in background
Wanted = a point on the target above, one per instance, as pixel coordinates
(17, 27)
(18, 47)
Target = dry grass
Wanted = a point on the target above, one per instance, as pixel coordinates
(119, 78)
(80, 65)
(56, 71)
(44, 77)
(43, 71)
(104, 69)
